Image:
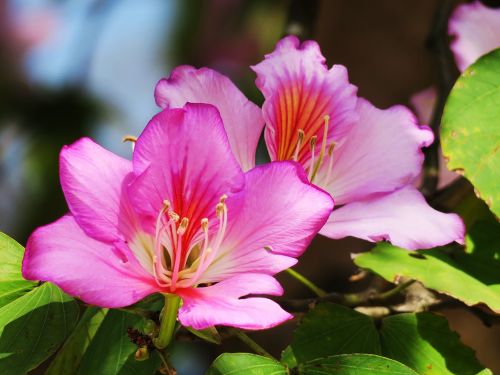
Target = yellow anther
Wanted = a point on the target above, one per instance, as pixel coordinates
(313, 141)
(183, 226)
(166, 204)
(204, 224)
(129, 138)
(219, 208)
(268, 248)
(300, 139)
(330, 149)
(223, 198)
(300, 135)
(174, 216)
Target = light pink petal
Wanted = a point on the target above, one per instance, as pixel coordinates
(299, 91)
(221, 304)
(279, 210)
(92, 179)
(380, 154)
(423, 103)
(184, 156)
(98, 273)
(242, 119)
(476, 31)
(403, 217)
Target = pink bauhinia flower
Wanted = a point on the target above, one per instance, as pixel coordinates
(475, 29)
(366, 158)
(180, 218)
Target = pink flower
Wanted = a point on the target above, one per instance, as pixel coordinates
(476, 31)
(366, 158)
(180, 218)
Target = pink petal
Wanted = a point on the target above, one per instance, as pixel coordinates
(299, 91)
(403, 217)
(92, 179)
(98, 273)
(242, 119)
(184, 156)
(279, 210)
(220, 304)
(476, 31)
(381, 153)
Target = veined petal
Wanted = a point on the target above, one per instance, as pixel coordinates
(299, 91)
(92, 180)
(278, 210)
(96, 272)
(380, 154)
(403, 217)
(220, 304)
(476, 31)
(184, 156)
(242, 119)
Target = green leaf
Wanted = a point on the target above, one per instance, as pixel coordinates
(111, 351)
(422, 341)
(470, 127)
(33, 326)
(12, 284)
(245, 364)
(468, 277)
(288, 357)
(208, 334)
(69, 357)
(333, 329)
(354, 364)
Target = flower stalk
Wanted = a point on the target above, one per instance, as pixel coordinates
(308, 283)
(167, 321)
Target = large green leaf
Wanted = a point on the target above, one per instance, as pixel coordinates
(333, 329)
(468, 277)
(12, 284)
(245, 364)
(69, 357)
(471, 127)
(354, 364)
(111, 351)
(421, 341)
(33, 326)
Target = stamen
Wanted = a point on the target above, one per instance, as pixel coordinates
(183, 226)
(268, 248)
(323, 149)
(223, 198)
(330, 162)
(300, 136)
(219, 208)
(129, 138)
(312, 145)
(173, 216)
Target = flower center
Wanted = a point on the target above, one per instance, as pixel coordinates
(175, 263)
(314, 164)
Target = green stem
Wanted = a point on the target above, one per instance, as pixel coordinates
(308, 283)
(249, 342)
(167, 320)
(392, 292)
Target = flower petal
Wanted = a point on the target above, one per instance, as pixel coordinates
(242, 119)
(220, 304)
(92, 179)
(476, 31)
(403, 217)
(184, 156)
(98, 273)
(299, 91)
(279, 210)
(380, 154)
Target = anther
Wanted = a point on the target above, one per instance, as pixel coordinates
(219, 208)
(173, 216)
(166, 204)
(204, 224)
(313, 141)
(330, 149)
(183, 226)
(268, 248)
(300, 139)
(129, 138)
(223, 198)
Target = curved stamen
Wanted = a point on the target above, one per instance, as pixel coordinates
(312, 145)
(300, 139)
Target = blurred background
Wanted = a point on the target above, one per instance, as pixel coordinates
(89, 67)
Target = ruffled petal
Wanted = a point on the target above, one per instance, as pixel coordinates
(278, 210)
(403, 217)
(242, 119)
(476, 31)
(299, 91)
(380, 154)
(98, 273)
(92, 180)
(184, 156)
(220, 304)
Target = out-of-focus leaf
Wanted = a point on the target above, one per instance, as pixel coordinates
(288, 357)
(471, 125)
(68, 359)
(466, 276)
(354, 364)
(111, 351)
(245, 364)
(421, 341)
(333, 329)
(33, 326)
(12, 284)
(208, 334)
